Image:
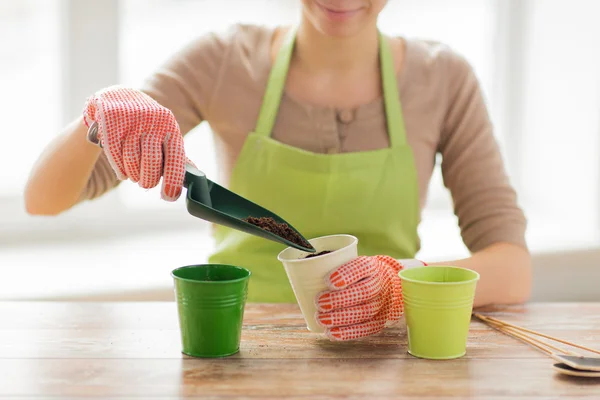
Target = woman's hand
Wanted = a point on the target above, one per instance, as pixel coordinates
(140, 138)
(364, 296)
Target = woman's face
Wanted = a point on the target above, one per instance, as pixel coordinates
(342, 17)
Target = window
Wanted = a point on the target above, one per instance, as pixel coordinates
(559, 140)
(30, 81)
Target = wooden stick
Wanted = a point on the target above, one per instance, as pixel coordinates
(511, 331)
(483, 318)
(515, 333)
(529, 339)
(521, 337)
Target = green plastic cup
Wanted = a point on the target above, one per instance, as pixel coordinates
(438, 302)
(210, 301)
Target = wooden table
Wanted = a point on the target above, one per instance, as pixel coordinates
(132, 350)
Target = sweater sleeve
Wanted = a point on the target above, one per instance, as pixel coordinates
(184, 84)
(485, 203)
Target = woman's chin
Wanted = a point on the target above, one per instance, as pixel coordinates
(339, 29)
(336, 23)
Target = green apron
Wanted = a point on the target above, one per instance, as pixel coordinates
(372, 195)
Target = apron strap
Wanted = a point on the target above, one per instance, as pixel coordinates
(393, 108)
(275, 86)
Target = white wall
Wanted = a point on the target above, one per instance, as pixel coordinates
(567, 276)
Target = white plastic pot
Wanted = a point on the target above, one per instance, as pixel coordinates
(307, 275)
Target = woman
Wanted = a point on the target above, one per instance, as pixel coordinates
(345, 124)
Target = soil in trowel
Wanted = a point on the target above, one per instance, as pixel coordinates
(283, 230)
(321, 253)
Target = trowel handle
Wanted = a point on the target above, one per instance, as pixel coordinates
(92, 134)
(198, 184)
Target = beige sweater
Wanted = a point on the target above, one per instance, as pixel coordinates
(221, 77)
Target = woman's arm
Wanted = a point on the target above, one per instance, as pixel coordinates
(61, 172)
(505, 273)
(492, 224)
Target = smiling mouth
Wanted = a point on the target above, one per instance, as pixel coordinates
(338, 14)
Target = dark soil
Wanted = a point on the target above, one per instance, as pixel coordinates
(282, 230)
(321, 253)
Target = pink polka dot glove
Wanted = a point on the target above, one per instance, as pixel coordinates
(140, 138)
(364, 296)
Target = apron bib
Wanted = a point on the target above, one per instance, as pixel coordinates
(372, 195)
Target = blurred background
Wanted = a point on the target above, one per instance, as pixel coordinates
(537, 60)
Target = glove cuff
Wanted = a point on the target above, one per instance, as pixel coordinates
(409, 263)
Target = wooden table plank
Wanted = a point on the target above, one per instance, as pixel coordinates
(163, 315)
(143, 330)
(311, 397)
(300, 377)
(484, 343)
(116, 350)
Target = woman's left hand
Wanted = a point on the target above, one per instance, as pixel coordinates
(364, 296)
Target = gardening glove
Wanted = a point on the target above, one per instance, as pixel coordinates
(141, 138)
(364, 296)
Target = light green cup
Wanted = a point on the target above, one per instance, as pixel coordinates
(438, 301)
